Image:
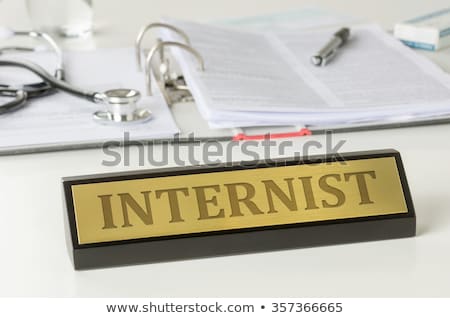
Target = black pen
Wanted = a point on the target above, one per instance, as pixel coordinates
(322, 57)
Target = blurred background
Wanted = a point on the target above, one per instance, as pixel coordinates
(122, 19)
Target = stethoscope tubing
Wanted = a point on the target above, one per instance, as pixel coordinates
(59, 72)
(38, 89)
(19, 100)
(121, 102)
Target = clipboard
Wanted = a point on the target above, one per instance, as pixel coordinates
(191, 124)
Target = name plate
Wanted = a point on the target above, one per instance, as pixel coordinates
(179, 213)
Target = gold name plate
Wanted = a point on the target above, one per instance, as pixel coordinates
(156, 215)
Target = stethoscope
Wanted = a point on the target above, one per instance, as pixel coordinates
(121, 103)
(21, 93)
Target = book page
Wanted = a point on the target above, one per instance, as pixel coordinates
(371, 70)
(268, 79)
(243, 72)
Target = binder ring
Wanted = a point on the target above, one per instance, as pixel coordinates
(159, 46)
(146, 28)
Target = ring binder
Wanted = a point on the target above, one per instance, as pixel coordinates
(146, 28)
(174, 88)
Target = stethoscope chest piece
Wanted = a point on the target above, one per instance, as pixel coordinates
(121, 107)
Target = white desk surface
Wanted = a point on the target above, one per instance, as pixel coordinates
(34, 259)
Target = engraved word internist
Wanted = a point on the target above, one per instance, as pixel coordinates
(237, 199)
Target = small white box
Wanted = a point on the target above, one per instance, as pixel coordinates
(429, 32)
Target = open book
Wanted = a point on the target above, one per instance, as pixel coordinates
(255, 79)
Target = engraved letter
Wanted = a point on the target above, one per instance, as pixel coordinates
(247, 199)
(172, 194)
(128, 201)
(288, 201)
(107, 212)
(362, 185)
(309, 194)
(203, 202)
(340, 196)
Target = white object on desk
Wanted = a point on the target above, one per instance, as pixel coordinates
(429, 32)
(71, 18)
